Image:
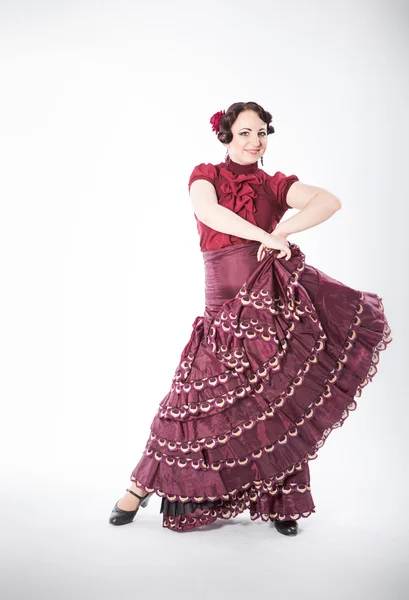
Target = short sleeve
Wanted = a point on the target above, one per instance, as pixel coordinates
(205, 171)
(279, 185)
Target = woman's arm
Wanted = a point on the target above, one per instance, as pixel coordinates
(316, 204)
(205, 205)
(225, 220)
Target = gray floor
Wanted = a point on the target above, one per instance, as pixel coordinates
(59, 544)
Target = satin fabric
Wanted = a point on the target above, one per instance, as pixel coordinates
(249, 192)
(226, 270)
(270, 369)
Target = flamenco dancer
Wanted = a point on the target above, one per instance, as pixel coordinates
(275, 362)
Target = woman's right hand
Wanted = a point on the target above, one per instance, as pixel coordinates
(274, 241)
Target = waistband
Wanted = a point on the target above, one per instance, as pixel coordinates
(226, 269)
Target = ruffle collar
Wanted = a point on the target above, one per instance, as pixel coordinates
(238, 186)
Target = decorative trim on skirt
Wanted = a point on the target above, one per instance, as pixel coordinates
(270, 370)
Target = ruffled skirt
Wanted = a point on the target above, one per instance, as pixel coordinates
(271, 368)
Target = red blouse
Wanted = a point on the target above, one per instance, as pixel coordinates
(249, 192)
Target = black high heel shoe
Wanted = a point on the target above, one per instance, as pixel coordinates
(289, 527)
(122, 517)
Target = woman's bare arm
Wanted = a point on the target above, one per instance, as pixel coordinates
(205, 205)
(316, 204)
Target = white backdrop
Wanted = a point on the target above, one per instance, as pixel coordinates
(104, 111)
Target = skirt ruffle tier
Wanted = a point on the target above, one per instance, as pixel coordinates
(260, 385)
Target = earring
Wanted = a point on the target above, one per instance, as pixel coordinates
(261, 160)
(227, 159)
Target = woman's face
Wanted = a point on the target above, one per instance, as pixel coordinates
(249, 138)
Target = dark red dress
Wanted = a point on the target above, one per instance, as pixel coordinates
(270, 369)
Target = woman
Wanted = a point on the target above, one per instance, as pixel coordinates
(273, 365)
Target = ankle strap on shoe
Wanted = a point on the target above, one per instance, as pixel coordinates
(135, 494)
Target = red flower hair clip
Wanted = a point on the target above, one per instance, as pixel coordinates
(216, 120)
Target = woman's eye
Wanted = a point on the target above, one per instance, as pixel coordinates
(245, 132)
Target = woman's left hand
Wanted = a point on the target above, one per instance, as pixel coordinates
(261, 252)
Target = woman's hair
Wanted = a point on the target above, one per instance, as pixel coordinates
(225, 135)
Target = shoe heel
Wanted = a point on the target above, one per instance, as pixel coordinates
(145, 501)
